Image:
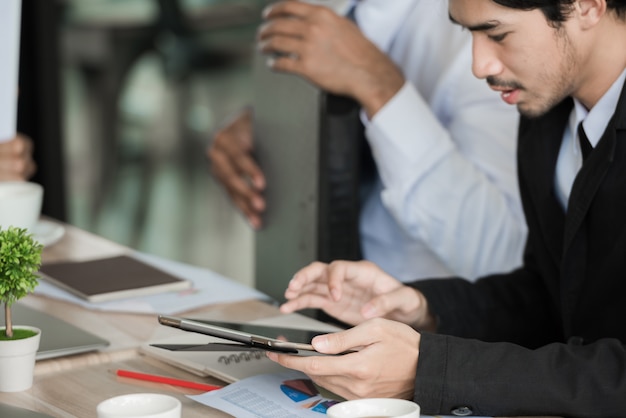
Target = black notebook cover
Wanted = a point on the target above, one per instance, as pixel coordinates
(111, 278)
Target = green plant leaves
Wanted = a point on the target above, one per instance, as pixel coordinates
(20, 258)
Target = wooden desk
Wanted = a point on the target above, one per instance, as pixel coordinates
(73, 386)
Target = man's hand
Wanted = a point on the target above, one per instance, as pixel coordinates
(233, 165)
(329, 50)
(383, 367)
(16, 159)
(356, 291)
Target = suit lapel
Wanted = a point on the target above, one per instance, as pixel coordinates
(543, 142)
(587, 183)
(589, 180)
(592, 173)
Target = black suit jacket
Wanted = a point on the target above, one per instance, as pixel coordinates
(548, 338)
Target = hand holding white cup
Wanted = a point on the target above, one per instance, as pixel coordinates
(375, 408)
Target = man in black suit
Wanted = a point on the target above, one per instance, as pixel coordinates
(548, 338)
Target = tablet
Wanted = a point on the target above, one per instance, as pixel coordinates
(282, 339)
(276, 332)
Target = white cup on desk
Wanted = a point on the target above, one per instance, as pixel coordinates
(20, 204)
(374, 408)
(140, 405)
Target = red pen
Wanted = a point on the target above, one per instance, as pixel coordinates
(167, 380)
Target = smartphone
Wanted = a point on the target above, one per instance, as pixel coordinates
(286, 340)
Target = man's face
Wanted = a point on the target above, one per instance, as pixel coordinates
(520, 55)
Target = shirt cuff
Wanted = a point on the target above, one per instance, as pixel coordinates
(406, 138)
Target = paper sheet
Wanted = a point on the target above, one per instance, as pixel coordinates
(208, 288)
(10, 18)
(281, 395)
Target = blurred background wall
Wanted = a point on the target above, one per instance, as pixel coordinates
(134, 90)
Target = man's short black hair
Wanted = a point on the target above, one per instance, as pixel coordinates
(557, 11)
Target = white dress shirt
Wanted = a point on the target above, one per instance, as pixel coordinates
(446, 201)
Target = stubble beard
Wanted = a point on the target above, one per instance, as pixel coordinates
(558, 84)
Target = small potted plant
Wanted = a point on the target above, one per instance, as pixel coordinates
(20, 258)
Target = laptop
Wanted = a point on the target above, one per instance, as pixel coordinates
(8, 411)
(58, 338)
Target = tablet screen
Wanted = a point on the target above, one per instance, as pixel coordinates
(281, 333)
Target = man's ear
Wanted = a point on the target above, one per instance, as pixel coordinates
(590, 12)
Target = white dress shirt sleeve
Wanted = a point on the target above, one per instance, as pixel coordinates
(446, 172)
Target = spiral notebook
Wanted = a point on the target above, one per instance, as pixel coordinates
(228, 366)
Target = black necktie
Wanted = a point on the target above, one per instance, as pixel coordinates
(585, 145)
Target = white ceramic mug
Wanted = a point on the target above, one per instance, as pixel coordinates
(140, 405)
(375, 408)
(20, 204)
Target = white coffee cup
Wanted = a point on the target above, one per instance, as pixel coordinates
(140, 405)
(374, 408)
(20, 204)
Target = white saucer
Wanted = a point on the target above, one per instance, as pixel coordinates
(47, 233)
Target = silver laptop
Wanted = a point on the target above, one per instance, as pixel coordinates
(58, 338)
(8, 411)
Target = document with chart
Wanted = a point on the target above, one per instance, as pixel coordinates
(282, 395)
(289, 394)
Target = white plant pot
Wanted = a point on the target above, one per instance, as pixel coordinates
(17, 361)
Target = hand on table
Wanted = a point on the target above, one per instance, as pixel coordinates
(16, 159)
(329, 50)
(368, 372)
(233, 164)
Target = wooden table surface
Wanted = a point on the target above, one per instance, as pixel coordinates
(73, 386)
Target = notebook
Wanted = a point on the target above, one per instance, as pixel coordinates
(58, 338)
(111, 278)
(8, 411)
(228, 366)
